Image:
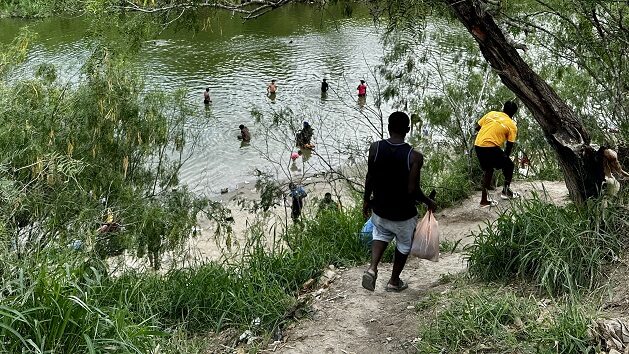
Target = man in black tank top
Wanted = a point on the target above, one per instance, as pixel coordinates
(391, 192)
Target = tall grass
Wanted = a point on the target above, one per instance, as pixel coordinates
(64, 303)
(562, 249)
(53, 303)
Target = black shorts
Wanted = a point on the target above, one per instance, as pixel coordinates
(492, 158)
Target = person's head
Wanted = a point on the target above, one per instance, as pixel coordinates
(510, 108)
(241, 127)
(292, 186)
(207, 89)
(273, 81)
(306, 124)
(324, 80)
(327, 197)
(399, 123)
(362, 81)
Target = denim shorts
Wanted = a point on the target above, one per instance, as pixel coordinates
(385, 230)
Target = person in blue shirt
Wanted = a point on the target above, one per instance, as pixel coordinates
(298, 194)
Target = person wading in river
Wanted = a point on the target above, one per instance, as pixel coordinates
(324, 86)
(272, 88)
(206, 96)
(393, 174)
(244, 133)
(362, 89)
(494, 129)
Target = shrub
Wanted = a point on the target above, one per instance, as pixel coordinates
(451, 178)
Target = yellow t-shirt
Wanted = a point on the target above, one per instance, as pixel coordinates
(495, 129)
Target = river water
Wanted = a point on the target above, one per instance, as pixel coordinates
(296, 45)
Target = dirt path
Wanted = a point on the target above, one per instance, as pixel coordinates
(349, 319)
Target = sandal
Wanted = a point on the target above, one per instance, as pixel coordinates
(400, 286)
(509, 195)
(369, 280)
(492, 203)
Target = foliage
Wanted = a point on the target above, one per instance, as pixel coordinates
(14, 52)
(501, 321)
(563, 249)
(102, 151)
(581, 45)
(428, 73)
(449, 176)
(38, 8)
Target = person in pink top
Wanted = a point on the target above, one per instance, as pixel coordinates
(362, 89)
(295, 155)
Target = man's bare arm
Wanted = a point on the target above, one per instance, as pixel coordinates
(414, 188)
(369, 179)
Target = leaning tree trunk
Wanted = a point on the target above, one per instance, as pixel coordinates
(562, 129)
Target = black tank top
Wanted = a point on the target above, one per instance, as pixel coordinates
(391, 171)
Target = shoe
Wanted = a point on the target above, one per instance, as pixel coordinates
(492, 203)
(369, 280)
(396, 289)
(509, 195)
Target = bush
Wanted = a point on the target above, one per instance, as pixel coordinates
(451, 178)
(562, 249)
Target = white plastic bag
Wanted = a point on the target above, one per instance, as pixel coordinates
(426, 238)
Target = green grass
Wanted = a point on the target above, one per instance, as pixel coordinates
(65, 303)
(500, 321)
(560, 249)
(54, 303)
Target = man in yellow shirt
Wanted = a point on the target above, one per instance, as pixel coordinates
(494, 130)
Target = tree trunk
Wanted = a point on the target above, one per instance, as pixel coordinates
(562, 129)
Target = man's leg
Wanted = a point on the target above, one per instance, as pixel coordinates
(377, 250)
(507, 170)
(404, 242)
(399, 261)
(486, 181)
(295, 211)
(381, 238)
(485, 160)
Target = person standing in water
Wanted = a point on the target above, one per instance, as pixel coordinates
(303, 138)
(206, 96)
(271, 89)
(244, 134)
(362, 89)
(324, 86)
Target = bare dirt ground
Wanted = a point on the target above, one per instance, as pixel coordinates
(349, 319)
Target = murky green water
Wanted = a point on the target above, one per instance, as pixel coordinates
(297, 46)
